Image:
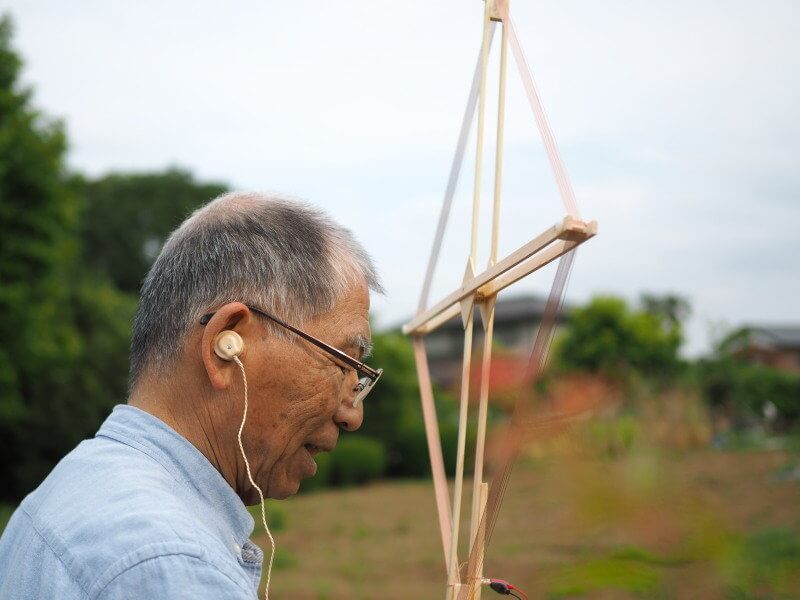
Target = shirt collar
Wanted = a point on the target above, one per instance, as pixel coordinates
(149, 434)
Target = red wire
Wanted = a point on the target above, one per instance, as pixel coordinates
(516, 589)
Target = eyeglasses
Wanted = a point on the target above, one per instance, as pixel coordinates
(367, 376)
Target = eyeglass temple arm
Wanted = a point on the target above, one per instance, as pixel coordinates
(345, 358)
(320, 344)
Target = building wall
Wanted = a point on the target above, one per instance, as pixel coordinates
(784, 359)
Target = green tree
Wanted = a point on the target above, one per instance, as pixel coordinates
(65, 331)
(607, 335)
(673, 309)
(38, 212)
(393, 415)
(128, 217)
(391, 412)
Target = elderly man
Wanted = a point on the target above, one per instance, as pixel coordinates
(245, 363)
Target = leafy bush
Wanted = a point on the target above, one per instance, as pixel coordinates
(607, 335)
(323, 476)
(756, 385)
(410, 452)
(392, 411)
(746, 389)
(358, 459)
(449, 435)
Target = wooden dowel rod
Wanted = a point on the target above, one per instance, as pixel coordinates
(452, 181)
(476, 562)
(537, 262)
(488, 321)
(454, 576)
(439, 320)
(483, 407)
(434, 446)
(476, 192)
(498, 157)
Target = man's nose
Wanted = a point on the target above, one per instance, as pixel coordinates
(347, 416)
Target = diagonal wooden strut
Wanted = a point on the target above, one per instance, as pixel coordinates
(434, 445)
(491, 281)
(452, 181)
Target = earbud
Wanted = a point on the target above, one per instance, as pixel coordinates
(228, 344)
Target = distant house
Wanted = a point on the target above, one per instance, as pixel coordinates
(772, 346)
(516, 320)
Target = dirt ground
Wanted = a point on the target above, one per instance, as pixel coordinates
(704, 524)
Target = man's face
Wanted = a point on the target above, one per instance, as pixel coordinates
(300, 398)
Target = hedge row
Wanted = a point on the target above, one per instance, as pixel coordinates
(359, 458)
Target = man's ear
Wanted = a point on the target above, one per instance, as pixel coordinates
(233, 316)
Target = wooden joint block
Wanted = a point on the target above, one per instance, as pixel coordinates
(493, 10)
(574, 230)
(468, 302)
(486, 307)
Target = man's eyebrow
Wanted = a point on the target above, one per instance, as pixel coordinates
(362, 343)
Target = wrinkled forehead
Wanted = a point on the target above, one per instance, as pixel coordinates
(346, 325)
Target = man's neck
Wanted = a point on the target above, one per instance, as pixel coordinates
(185, 410)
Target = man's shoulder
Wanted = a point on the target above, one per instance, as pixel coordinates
(106, 503)
(102, 482)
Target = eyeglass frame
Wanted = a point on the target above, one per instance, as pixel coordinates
(359, 367)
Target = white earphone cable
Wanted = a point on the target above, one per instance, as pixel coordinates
(253, 483)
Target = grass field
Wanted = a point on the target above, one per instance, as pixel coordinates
(702, 525)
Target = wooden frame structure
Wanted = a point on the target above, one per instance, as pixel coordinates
(482, 289)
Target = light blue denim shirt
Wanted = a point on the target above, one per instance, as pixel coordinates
(136, 512)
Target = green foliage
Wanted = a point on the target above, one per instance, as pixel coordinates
(6, 510)
(607, 335)
(767, 561)
(392, 413)
(323, 476)
(50, 395)
(65, 307)
(129, 216)
(612, 437)
(448, 431)
(358, 459)
(757, 385)
(410, 451)
(671, 309)
(746, 389)
(276, 516)
(284, 559)
(37, 212)
(623, 573)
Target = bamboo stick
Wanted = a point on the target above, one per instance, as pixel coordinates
(434, 446)
(454, 575)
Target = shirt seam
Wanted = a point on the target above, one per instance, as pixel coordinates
(121, 438)
(46, 541)
(198, 556)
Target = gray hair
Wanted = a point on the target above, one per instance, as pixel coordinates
(280, 255)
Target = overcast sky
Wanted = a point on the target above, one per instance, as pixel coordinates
(678, 123)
